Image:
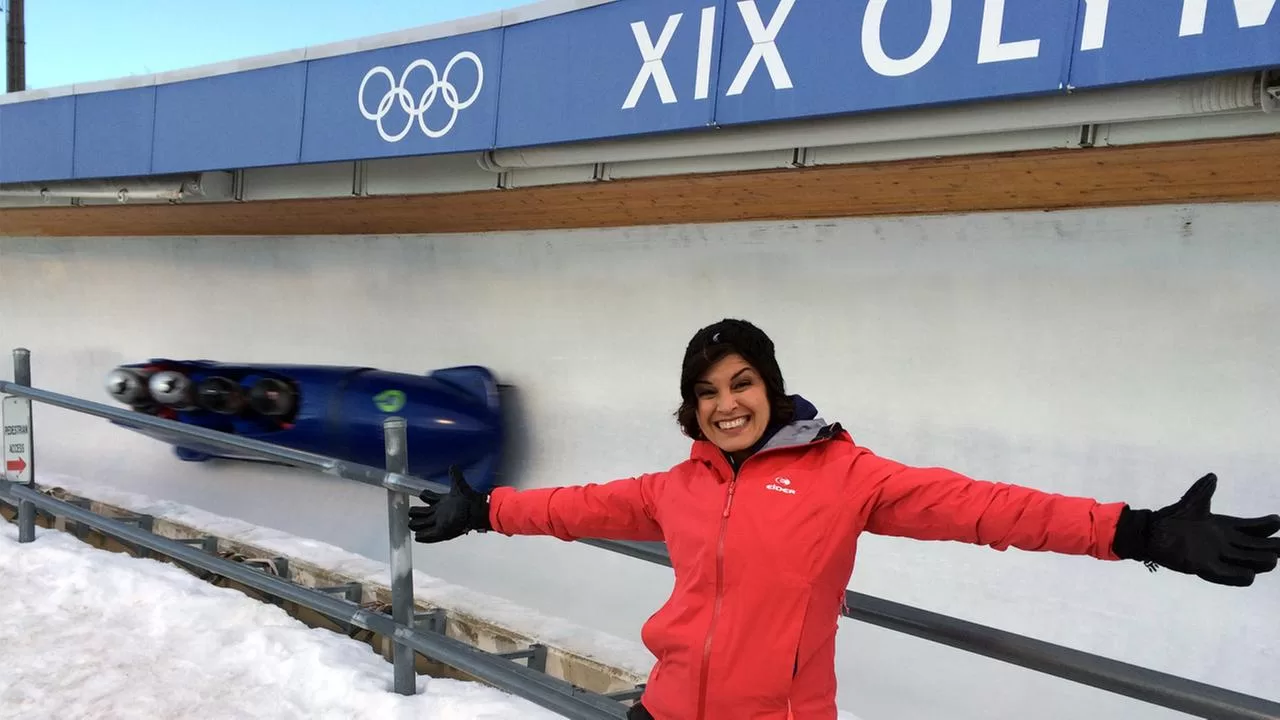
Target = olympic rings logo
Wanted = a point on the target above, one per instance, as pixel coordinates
(440, 86)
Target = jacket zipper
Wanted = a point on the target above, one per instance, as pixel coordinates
(715, 611)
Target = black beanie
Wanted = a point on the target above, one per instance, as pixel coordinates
(716, 340)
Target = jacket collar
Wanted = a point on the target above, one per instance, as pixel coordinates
(807, 428)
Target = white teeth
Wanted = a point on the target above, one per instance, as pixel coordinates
(731, 424)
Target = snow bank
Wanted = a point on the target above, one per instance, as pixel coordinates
(90, 633)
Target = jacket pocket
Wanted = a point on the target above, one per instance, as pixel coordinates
(813, 685)
(756, 647)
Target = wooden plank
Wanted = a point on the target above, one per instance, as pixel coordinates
(1236, 170)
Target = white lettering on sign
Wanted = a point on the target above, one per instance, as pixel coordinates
(1094, 32)
(17, 438)
(991, 46)
(764, 47)
(873, 51)
(651, 53)
(1249, 13)
(1253, 13)
(706, 41)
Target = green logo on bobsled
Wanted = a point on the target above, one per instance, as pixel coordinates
(389, 401)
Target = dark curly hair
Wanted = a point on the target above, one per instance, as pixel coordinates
(712, 344)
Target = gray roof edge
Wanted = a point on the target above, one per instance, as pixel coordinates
(40, 94)
(546, 8)
(449, 28)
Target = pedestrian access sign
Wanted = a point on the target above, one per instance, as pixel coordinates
(17, 439)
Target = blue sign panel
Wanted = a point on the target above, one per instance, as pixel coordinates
(36, 139)
(633, 67)
(245, 119)
(803, 58)
(1144, 41)
(114, 132)
(617, 69)
(438, 96)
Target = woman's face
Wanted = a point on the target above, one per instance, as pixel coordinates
(733, 406)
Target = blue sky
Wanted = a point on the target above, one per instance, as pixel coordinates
(70, 41)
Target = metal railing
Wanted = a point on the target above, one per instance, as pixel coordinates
(1169, 691)
(1134, 681)
(527, 681)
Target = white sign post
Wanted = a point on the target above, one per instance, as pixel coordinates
(17, 439)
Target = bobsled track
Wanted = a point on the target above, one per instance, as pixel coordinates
(523, 671)
(1040, 248)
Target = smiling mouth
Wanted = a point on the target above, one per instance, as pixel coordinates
(732, 424)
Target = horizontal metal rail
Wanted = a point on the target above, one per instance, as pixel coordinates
(1157, 688)
(1151, 686)
(540, 688)
(264, 450)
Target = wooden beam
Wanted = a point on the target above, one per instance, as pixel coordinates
(1236, 170)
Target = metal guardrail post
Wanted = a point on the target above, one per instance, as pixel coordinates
(22, 376)
(18, 440)
(22, 366)
(26, 521)
(395, 439)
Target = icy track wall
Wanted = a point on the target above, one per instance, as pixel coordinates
(1118, 354)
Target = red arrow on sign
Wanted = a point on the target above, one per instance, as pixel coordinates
(16, 465)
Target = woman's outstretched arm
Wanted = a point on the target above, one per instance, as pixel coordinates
(1185, 536)
(618, 510)
(931, 503)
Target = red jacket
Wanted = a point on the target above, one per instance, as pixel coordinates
(762, 558)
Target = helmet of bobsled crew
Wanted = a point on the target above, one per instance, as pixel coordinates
(172, 389)
(717, 341)
(271, 397)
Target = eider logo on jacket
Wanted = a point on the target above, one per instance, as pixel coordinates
(782, 485)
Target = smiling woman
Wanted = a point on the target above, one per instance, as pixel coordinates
(739, 398)
(762, 524)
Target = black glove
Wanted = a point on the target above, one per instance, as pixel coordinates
(449, 516)
(1185, 537)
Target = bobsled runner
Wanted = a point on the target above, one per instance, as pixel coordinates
(453, 415)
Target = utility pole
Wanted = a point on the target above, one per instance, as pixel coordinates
(16, 48)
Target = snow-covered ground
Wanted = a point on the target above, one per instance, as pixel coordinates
(629, 655)
(89, 633)
(94, 634)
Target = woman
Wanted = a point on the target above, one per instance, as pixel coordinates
(762, 523)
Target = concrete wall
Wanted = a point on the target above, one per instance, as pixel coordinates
(1118, 354)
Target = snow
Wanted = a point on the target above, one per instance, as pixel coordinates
(298, 669)
(91, 633)
(609, 650)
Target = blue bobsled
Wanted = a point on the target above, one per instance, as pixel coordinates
(453, 415)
